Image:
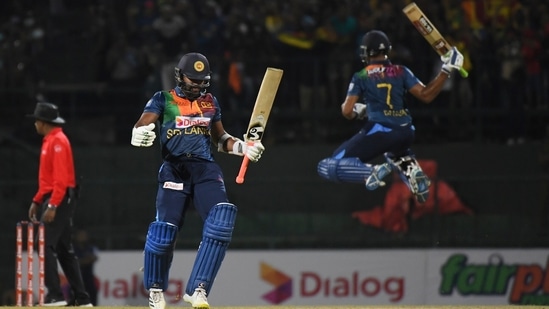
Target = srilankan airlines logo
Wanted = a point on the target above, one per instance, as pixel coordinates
(282, 284)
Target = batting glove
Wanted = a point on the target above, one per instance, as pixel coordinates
(360, 110)
(143, 136)
(451, 60)
(252, 150)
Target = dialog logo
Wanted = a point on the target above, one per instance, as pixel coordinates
(282, 284)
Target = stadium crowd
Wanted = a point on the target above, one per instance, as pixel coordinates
(110, 55)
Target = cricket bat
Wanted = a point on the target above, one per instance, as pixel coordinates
(260, 114)
(429, 31)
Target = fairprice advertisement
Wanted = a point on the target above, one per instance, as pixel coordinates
(343, 277)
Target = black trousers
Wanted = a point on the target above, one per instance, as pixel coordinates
(59, 248)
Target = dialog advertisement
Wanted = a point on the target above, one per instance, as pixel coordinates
(342, 277)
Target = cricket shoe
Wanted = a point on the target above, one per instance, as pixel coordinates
(198, 299)
(54, 302)
(79, 303)
(76, 304)
(84, 305)
(376, 178)
(156, 299)
(418, 182)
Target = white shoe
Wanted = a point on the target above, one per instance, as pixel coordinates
(156, 299)
(55, 303)
(86, 305)
(198, 299)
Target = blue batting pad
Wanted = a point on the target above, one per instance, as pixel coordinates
(158, 254)
(216, 236)
(344, 170)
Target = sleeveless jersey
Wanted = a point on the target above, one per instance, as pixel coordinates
(186, 124)
(383, 87)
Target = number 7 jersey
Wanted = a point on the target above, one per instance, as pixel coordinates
(383, 87)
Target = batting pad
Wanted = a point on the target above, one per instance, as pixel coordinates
(216, 236)
(344, 170)
(159, 254)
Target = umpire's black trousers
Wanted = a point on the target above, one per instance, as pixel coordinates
(58, 247)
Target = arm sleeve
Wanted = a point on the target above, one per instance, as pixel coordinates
(410, 80)
(217, 116)
(62, 171)
(354, 86)
(155, 104)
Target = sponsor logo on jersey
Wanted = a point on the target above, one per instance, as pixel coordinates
(173, 186)
(375, 69)
(185, 122)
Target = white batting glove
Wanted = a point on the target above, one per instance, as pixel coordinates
(253, 151)
(143, 136)
(451, 60)
(360, 110)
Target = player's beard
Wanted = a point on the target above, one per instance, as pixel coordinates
(193, 93)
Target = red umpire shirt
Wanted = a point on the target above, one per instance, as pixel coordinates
(56, 172)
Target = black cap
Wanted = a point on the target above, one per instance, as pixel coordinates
(47, 112)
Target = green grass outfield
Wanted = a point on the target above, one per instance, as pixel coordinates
(340, 307)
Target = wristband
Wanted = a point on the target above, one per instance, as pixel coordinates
(51, 206)
(238, 147)
(447, 69)
(222, 140)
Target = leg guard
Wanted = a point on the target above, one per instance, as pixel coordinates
(216, 236)
(344, 170)
(158, 253)
(411, 174)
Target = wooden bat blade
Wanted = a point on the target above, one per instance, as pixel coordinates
(260, 114)
(263, 104)
(428, 30)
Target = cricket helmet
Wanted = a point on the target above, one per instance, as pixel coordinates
(374, 43)
(195, 67)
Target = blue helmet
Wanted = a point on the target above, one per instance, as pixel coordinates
(374, 43)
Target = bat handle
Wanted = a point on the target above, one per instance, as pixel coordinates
(243, 167)
(242, 171)
(463, 72)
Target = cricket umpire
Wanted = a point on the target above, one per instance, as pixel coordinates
(54, 204)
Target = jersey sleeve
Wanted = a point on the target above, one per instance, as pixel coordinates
(155, 104)
(217, 115)
(60, 156)
(354, 86)
(410, 80)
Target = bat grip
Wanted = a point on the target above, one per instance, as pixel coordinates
(463, 72)
(242, 171)
(243, 167)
